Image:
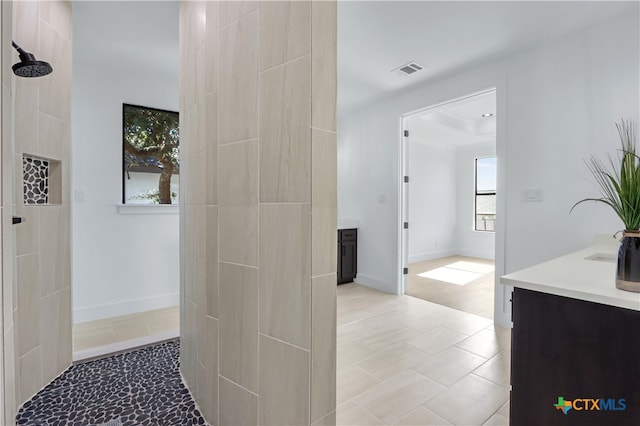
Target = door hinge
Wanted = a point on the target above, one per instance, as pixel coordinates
(406, 225)
(405, 271)
(406, 179)
(406, 133)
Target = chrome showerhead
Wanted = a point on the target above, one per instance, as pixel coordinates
(29, 66)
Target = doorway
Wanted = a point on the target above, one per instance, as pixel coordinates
(449, 203)
(125, 243)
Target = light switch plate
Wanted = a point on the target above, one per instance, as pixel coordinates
(532, 195)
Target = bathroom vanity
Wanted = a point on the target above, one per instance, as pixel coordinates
(575, 348)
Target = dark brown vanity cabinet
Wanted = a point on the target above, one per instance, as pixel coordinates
(347, 255)
(573, 362)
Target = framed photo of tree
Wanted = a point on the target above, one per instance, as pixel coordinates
(150, 155)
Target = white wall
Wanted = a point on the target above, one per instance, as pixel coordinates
(432, 201)
(122, 263)
(556, 105)
(470, 242)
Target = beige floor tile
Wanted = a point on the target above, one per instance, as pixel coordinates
(484, 343)
(392, 361)
(93, 334)
(352, 381)
(422, 416)
(467, 324)
(504, 410)
(389, 337)
(450, 365)
(497, 369)
(393, 398)
(352, 414)
(436, 340)
(352, 352)
(471, 401)
(497, 420)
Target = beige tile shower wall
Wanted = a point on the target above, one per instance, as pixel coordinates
(7, 355)
(258, 145)
(43, 263)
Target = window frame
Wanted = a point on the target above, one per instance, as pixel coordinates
(476, 193)
(123, 153)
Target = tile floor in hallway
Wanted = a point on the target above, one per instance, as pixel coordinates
(100, 337)
(142, 387)
(474, 297)
(407, 361)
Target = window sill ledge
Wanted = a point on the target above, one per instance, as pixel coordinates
(172, 209)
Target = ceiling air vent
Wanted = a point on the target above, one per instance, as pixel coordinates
(408, 69)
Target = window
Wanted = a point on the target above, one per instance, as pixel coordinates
(150, 155)
(485, 196)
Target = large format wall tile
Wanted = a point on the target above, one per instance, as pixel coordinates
(239, 324)
(323, 332)
(238, 406)
(285, 133)
(285, 32)
(212, 47)
(212, 262)
(238, 234)
(29, 374)
(55, 87)
(232, 10)
(324, 48)
(29, 314)
(283, 398)
(324, 250)
(55, 333)
(207, 380)
(285, 272)
(239, 80)
(211, 147)
(238, 174)
(58, 14)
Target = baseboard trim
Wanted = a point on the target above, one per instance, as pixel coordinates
(479, 254)
(432, 255)
(108, 310)
(375, 284)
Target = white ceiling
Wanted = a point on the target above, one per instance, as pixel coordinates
(375, 37)
(457, 123)
(139, 36)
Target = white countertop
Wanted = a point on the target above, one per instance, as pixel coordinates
(576, 277)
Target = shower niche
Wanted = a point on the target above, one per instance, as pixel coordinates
(41, 180)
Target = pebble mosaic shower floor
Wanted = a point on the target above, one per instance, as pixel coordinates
(142, 387)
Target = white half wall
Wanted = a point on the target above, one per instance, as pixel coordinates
(122, 263)
(556, 105)
(469, 242)
(432, 200)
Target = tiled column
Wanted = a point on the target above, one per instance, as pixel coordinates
(258, 129)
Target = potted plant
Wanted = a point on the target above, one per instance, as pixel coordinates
(619, 182)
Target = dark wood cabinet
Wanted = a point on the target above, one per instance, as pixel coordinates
(583, 352)
(347, 255)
